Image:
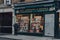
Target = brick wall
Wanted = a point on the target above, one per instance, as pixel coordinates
(15, 1)
(29, 0)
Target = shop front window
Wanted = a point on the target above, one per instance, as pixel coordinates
(23, 22)
(32, 23)
(36, 23)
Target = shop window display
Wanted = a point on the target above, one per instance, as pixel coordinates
(37, 24)
(23, 22)
(30, 23)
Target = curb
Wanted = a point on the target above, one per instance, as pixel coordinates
(10, 38)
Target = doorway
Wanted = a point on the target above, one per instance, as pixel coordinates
(6, 22)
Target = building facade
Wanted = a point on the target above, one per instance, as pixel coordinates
(39, 18)
(36, 18)
(6, 8)
(7, 15)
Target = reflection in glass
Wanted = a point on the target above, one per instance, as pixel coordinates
(23, 22)
(36, 23)
(30, 22)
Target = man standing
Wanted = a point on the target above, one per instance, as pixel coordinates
(16, 27)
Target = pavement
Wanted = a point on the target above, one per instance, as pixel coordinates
(26, 37)
(7, 39)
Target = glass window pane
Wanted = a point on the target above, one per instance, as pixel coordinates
(23, 20)
(36, 23)
(30, 22)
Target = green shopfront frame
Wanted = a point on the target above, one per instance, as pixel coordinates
(43, 8)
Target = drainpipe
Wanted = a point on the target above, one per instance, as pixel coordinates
(13, 20)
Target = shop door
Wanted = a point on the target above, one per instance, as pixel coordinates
(49, 24)
(6, 22)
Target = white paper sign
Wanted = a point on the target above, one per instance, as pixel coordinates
(49, 24)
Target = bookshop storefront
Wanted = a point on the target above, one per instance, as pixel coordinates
(37, 18)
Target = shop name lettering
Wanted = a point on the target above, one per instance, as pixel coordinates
(40, 9)
(36, 10)
(43, 9)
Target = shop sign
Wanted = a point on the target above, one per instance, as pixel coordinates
(36, 10)
(43, 9)
(45, 5)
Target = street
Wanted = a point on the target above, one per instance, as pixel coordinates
(25, 37)
(8, 39)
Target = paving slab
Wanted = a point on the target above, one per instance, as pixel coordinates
(25, 37)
